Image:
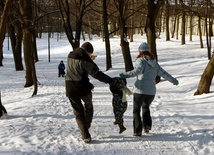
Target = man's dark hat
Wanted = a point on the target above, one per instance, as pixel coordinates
(88, 47)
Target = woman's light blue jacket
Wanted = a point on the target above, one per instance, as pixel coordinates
(145, 71)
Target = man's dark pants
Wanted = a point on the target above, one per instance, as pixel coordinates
(83, 110)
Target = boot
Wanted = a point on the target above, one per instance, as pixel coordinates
(122, 128)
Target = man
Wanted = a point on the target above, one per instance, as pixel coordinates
(78, 87)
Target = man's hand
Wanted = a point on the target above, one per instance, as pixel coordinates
(93, 57)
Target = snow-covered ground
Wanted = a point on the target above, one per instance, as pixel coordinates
(183, 124)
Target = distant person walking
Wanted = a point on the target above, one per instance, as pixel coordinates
(61, 69)
(78, 87)
(145, 70)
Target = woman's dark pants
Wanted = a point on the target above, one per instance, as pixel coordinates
(144, 102)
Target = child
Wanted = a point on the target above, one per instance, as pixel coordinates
(119, 102)
(61, 69)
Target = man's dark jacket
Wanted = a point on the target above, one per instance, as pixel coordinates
(79, 66)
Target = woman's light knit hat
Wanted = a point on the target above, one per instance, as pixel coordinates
(144, 47)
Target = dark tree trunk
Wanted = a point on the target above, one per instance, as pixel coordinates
(150, 30)
(123, 37)
(167, 21)
(174, 26)
(200, 32)
(106, 33)
(27, 28)
(183, 24)
(206, 78)
(153, 9)
(34, 47)
(3, 23)
(16, 43)
(64, 7)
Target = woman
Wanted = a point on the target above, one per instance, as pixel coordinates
(146, 69)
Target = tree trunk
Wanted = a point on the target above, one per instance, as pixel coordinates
(207, 39)
(200, 31)
(83, 36)
(174, 26)
(183, 24)
(131, 31)
(153, 9)
(167, 21)
(191, 27)
(65, 15)
(123, 37)
(190, 22)
(34, 47)
(175, 20)
(106, 33)
(16, 43)
(89, 29)
(27, 56)
(64, 7)
(26, 12)
(177, 27)
(206, 78)
(3, 23)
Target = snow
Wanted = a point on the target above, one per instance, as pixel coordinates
(45, 124)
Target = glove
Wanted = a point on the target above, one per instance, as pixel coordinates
(175, 82)
(122, 75)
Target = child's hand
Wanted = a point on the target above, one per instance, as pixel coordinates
(122, 75)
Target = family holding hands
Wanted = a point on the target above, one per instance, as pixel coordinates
(78, 88)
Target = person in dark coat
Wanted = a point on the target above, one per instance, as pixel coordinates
(61, 69)
(78, 86)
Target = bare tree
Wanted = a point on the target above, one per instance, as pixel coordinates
(153, 8)
(106, 33)
(3, 23)
(208, 28)
(200, 31)
(73, 11)
(15, 33)
(174, 17)
(121, 6)
(27, 29)
(167, 20)
(183, 23)
(191, 22)
(206, 78)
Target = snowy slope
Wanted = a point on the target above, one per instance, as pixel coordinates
(183, 124)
